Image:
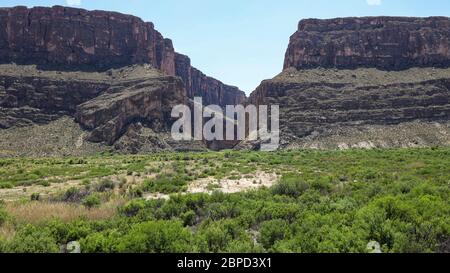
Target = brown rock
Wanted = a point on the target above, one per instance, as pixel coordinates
(311, 104)
(109, 115)
(77, 39)
(391, 43)
(52, 95)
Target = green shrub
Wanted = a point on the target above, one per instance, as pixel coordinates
(72, 195)
(3, 216)
(213, 238)
(91, 201)
(6, 185)
(105, 185)
(132, 208)
(188, 218)
(291, 186)
(35, 197)
(273, 231)
(31, 239)
(136, 192)
(105, 242)
(157, 237)
(166, 184)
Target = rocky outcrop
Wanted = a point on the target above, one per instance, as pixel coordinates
(315, 101)
(149, 101)
(390, 43)
(28, 100)
(77, 39)
(105, 104)
(113, 73)
(364, 82)
(53, 95)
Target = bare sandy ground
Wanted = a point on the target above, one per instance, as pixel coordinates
(258, 180)
(210, 185)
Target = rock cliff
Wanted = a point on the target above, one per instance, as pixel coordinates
(364, 82)
(104, 103)
(77, 39)
(113, 74)
(390, 43)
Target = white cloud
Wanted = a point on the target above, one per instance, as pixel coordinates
(373, 2)
(73, 2)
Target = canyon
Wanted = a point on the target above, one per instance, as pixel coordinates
(102, 81)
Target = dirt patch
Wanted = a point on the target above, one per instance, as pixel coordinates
(258, 180)
(210, 185)
(156, 196)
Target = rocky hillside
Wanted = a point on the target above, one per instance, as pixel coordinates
(103, 104)
(110, 77)
(364, 82)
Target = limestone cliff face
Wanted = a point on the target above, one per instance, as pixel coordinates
(347, 76)
(391, 43)
(316, 100)
(74, 39)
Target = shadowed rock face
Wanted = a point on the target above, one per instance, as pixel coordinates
(150, 101)
(77, 39)
(105, 104)
(28, 100)
(390, 43)
(311, 103)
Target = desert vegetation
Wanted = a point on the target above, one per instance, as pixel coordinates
(320, 201)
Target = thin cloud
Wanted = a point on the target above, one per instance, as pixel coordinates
(73, 2)
(373, 2)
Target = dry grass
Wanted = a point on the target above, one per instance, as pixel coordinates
(39, 212)
(7, 231)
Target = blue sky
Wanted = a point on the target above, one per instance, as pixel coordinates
(242, 42)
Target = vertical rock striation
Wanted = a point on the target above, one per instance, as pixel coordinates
(77, 39)
(389, 43)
